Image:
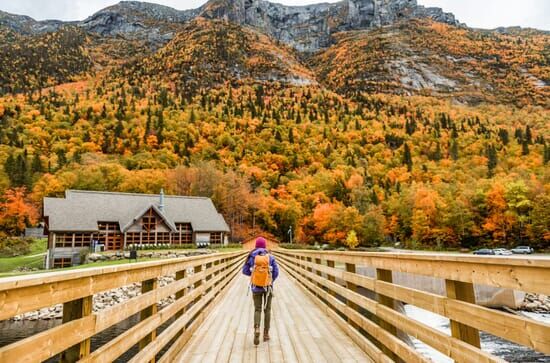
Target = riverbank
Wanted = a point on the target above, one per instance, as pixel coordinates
(536, 303)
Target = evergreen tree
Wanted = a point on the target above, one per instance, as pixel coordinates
(290, 136)
(407, 157)
(454, 150)
(492, 161)
(36, 165)
(525, 147)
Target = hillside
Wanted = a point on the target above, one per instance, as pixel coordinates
(30, 62)
(384, 119)
(207, 53)
(426, 57)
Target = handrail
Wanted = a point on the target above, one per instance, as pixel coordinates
(195, 294)
(317, 271)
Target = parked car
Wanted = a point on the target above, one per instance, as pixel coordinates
(523, 250)
(502, 252)
(484, 251)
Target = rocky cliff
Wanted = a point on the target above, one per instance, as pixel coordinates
(309, 28)
(306, 28)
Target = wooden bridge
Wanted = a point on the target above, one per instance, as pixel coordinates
(324, 310)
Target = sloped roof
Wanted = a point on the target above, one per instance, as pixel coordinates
(81, 210)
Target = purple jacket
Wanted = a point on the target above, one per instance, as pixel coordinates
(247, 268)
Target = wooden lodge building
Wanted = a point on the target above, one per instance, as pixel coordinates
(113, 221)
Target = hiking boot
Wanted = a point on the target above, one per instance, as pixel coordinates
(256, 336)
(266, 336)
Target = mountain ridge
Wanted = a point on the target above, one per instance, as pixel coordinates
(306, 28)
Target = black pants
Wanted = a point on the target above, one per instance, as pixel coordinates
(259, 303)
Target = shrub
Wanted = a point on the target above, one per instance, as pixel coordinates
(15, 246)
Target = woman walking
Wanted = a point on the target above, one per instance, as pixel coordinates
(263, 271)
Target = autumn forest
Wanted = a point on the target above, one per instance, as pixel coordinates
(329, 157)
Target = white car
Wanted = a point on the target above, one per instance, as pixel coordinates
(525, 250)
(502, 252)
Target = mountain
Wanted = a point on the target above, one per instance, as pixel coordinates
(377, 117)
(306, 28)
(309, 28)
(353, 46)
(34, 62)
(431, 58)
(206, 53)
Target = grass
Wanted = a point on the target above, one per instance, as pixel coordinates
(33, 259)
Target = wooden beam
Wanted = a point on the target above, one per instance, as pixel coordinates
(451, 346)
(146, 286)
(518, 329)
(386, 275)
(74, 310)
(463, 291)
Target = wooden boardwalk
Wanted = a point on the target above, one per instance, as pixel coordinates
(300, 331)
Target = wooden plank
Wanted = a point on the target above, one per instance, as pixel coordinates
(368, 347)
(146, 286)
(126, 340)
(529, 274)
(386, 275)
(24, 294)
(383, 336)
(463, 291)
(171, 331)
(74, 310)
(42, 346)
(520, 330)
(450, 346)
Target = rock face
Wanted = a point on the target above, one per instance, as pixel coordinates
(306, 28)
(309, 28)
(27, 25)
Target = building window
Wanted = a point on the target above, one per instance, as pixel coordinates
(110, 236)
(216, 238)
(185, 232)
(149, 223)
(163, 237)
(82, 239)
(132, 238)
(62, 262)
(64, 240)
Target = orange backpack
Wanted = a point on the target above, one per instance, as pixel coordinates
(261, 274)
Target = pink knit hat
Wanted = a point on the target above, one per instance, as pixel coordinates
(261, 242)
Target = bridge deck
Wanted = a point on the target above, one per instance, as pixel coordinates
(300, 331)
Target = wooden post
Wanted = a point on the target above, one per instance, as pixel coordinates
(386, 275)
(309, 269)
(73, 310)
(330, 263)
(197, 270)
(463, 291)
(146, 286)
(208, 269)
(180, 275)
(350, 267)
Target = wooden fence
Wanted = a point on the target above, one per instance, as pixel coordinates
(331, 278)
(199, 282)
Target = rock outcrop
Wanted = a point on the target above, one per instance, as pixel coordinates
(309, 28)
(306, 28)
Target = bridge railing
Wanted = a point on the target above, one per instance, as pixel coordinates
(199, 281)
(376, 323)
